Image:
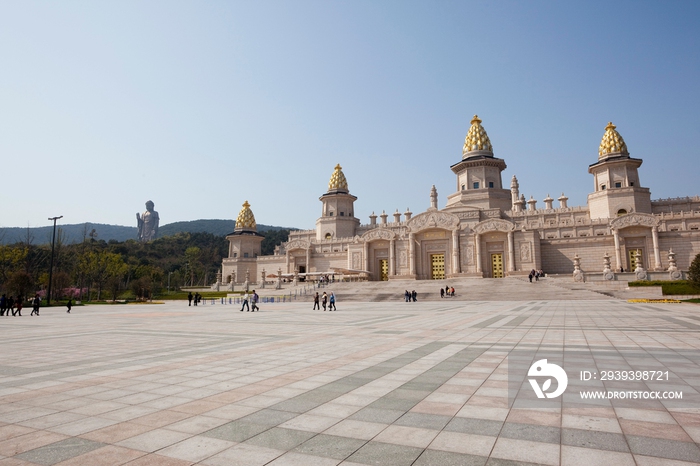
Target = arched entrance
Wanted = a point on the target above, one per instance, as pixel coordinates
(495, 255)
(434, 243)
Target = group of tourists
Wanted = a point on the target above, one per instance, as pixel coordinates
(326, 301)
(11, 305)
(536, 274)
(447, 291)
(254, 298)
(197, 298)
(409, 296)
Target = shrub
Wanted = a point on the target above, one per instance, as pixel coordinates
(694, 272)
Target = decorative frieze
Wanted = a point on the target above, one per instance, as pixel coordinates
(433, 219)
(494, 225)
(634, 219)
(298, 244)
(379, 233)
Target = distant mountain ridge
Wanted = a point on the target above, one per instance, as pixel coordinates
(74, 232)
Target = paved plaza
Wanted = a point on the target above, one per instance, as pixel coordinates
(375, 383)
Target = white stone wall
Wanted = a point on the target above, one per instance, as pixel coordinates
(557, 255)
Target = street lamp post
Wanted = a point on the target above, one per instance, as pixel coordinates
(53, 242)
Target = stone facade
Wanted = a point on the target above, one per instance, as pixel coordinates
(485, 230)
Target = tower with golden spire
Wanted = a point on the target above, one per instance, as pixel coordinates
(244, 247)
(479, 182)
(617, 190)
(338, 212)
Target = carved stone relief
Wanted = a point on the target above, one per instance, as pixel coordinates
(379, 233)
(494, 225)
(433, 220)
(356, 260)
(634, 219)
(403, 258)
(468, 255)
(525, 252)
(298, 244)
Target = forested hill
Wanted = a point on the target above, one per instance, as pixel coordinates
(74, 233)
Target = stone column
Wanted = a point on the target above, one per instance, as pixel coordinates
(392, 257)
(262, 282)
(511, 253)
(456, 267)
(477, 242)
(286, 266)
(365, 252)
(618, 254)
(308, 259)
(657, 253)
(411, 254)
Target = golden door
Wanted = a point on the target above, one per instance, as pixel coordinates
(497, 265)
(384, 267)
(632, 253)
(437, 262)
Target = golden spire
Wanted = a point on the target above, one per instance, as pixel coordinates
(246, 219)
(612, 142)
(338, 180)
(477, 139)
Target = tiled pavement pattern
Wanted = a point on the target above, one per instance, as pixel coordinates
(372, 384)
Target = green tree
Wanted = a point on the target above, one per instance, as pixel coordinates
(147, 281)
(20, 284)
(194, 265)
(11, 258)
(101, 266)
(694, 272)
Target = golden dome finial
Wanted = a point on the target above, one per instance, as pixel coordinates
(612, 142)
(338, 180)
(246, 219)
(477, 139)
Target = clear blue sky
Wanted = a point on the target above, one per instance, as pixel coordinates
(202, 105)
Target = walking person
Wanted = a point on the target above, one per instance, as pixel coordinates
(69, 305)
(10, 306)
(246, 297)
(3, 304)
(324, 300)
(331, 303)
(316, 305)
(414, 295)
(35, 305)
(254, 300)
(407, 296)
(19, 306)
(442, 293)
(189, 299)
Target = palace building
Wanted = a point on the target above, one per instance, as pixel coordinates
(488, 230)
